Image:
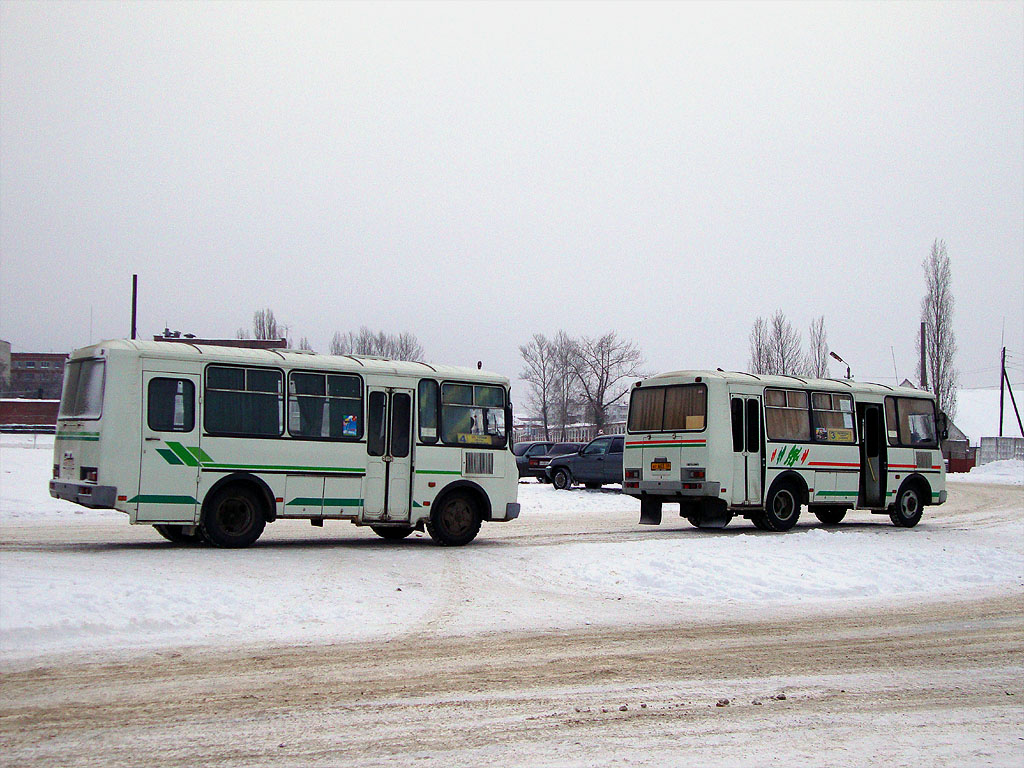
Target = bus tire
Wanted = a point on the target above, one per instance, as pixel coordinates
(562, 479)
(176, 533)
(829, 515)
(234, 517)
(455, 521)
(782, 507)
(759, 522)
(907, 511)
(392, 532)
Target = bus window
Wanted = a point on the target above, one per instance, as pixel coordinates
(473, 415)
(737, 425)
(915, 419)
(428, 411)
(376, 428)
(327, 406)
(401, 413)
(785, 415)
(832, 415)
(244, 401)
(83, 390)
(171, 405)
(753, 426)
(678, 408)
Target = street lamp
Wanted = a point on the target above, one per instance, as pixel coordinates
(837, 357)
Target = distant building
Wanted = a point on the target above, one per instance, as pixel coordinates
(5, 365)
(37, 375)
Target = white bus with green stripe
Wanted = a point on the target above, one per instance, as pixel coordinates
(210, 443)
(725, 444)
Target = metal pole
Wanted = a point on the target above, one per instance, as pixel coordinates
(135, 301)
(1002, 383)
(924, 369)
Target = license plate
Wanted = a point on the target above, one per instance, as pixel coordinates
(661, 466)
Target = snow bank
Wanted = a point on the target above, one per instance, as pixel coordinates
(1006, 472)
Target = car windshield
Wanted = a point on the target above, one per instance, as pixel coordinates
(562, 448)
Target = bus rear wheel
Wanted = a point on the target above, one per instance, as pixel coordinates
(782, 508)
(178, 534)
(455, 521)
(233, 518)
(392, 532)
(830, 515)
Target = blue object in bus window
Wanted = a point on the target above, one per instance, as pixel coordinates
(350, 427)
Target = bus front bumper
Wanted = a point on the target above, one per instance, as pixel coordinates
(94, 496)
(511, 512)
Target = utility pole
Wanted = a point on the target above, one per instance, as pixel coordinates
(135, 300)
(1002, 384)
(924, 369)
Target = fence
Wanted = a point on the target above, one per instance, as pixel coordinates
(1000, 448)
(571, 433)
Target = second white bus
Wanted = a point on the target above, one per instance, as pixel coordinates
(725, 444)
(209, 443)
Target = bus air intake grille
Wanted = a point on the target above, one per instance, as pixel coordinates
(479, 463)
(924, 459)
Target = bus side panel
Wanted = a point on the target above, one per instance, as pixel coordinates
(438, 466)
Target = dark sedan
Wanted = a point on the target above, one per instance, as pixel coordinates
(526, 451)
(537, 464)
(597, 463)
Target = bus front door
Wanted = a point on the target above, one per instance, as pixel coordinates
(872, 458)
(170, 453)
(746, 447)
(388, 486)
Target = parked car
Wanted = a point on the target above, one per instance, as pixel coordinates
(524, 451)
(595, 464)
(537, 464)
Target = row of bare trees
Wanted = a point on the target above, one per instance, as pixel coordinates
(394, 346)
(776, 347)
(939, 339)
(577, 379)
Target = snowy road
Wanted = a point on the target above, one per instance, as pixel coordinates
(333, 647)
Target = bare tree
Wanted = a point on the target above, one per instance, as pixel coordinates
(540, 372)
(304, 344)
(243, 333)
(816, 364)
(783, 346)
(567, 398)
(760, 353)
(601, 365)
(940, 340)
(265, 325)
(403, 346)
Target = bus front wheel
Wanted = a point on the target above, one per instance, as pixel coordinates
(233, 517)
(909, 508)
(455, 521)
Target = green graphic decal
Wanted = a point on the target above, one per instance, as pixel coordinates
(309, 501)
(193, 456)
(85, 437)
(158, 498)
(438, 472)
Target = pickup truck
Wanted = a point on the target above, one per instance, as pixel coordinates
(595, 464)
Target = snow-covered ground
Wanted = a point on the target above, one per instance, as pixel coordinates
(74, 580)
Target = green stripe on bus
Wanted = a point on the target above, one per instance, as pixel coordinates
(182, 453)
(200, 454)
(158, 498)
(86, 437)
(343, 502)
(438, 472)
(300, 501)
(835, 493)
(169, 456)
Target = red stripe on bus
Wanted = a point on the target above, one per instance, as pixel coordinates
(832, 464)
(664, 442)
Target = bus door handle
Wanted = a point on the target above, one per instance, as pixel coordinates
(152, 439)
(387, 458)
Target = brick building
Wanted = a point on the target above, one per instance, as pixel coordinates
(36, 375)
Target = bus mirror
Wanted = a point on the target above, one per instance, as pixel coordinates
(943, 424)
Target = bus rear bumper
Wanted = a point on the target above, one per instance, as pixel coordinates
(94, 496)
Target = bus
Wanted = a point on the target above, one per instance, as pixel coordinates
(724, 444)
(210, 443)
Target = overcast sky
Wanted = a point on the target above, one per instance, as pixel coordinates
(477, 173)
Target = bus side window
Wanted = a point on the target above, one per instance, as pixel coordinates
(171, 405)
(737, 425)
(428, 411)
